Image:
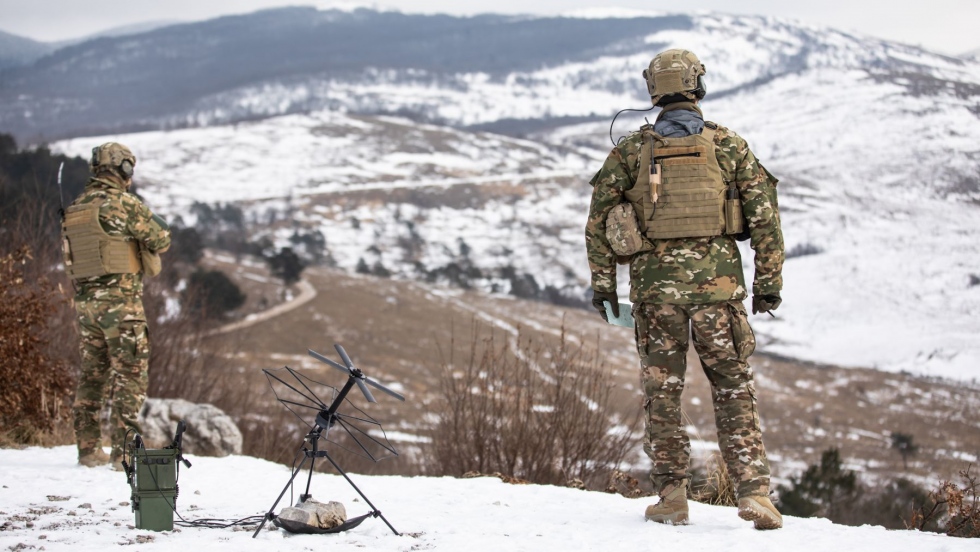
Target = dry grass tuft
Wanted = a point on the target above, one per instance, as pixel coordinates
(716, 487)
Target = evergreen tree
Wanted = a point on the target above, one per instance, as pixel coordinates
(362, 267)
(904, 444)
(212, 294)
(820, 490)
(287, 265)
(187, 245)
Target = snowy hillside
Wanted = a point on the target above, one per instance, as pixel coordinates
(412, 197)
(49, 501)
(876, 145)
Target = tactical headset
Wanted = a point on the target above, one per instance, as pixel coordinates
(100, 157)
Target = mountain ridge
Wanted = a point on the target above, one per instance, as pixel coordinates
(16, 50)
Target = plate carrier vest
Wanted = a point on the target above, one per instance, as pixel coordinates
(680, 192)
(89, 251)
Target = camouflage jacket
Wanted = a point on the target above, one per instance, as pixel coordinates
(121, 214)
(690, 270)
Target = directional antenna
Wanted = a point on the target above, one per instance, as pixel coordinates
(358, 433)
(311, 401)
(352, 371)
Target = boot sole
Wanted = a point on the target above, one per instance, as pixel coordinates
(672, 519)
(762, 518)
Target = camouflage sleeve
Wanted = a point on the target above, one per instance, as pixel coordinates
(758, 192)
(608, 186)
(142, 224)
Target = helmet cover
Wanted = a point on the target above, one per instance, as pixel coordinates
(115, 157)
(675, 72)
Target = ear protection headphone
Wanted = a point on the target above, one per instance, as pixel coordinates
(98, 155)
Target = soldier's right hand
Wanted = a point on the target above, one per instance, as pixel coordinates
(765, 303)
(597, 301)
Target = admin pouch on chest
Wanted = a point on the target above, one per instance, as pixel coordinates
(680, 191)
(89, 251)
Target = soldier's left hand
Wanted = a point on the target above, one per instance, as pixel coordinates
(765, 303)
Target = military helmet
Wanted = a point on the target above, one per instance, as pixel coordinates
(115, 157)
(675, 72)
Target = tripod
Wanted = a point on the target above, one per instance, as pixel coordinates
(326, 418)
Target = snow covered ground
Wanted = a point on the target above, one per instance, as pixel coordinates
(45, 488)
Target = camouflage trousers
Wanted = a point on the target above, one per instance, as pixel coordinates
(723, 341)
(115, 351)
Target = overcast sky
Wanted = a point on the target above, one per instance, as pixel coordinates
(947, 26)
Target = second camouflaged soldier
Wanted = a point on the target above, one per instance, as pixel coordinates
(110, 240)
(671, 199)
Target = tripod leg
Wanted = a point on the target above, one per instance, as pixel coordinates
(375, 511)
(270, 514)
(309, 479)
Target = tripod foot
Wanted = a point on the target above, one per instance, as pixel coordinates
(269, 516)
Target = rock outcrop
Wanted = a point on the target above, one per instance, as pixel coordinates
(315, 514)
(210, 432)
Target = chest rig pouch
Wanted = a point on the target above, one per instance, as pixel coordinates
(89, 251)
(680, 191)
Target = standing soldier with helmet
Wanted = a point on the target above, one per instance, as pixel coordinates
(110, 240)
(671, 200)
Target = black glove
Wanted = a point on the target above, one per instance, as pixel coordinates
(599, 296)
(765, 303)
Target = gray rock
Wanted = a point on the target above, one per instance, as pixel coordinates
(210, 432)
(316, 514)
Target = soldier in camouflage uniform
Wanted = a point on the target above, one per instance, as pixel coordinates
(111, 239)
(696, 283)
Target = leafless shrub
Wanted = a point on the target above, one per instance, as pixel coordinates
(534, 412)
(951, 509)
(185, 362)
(37, 384)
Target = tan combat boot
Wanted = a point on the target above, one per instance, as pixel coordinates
(117, 463)
(760, 510)
(93, 459)
(672, 508)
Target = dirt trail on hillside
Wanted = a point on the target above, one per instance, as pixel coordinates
(306, 294)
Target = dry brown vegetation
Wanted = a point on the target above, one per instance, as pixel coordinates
(541, 413)
(950, 508)
(713, 485)
(36, 383)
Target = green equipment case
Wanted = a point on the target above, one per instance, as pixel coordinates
(155, 489)
(152, 477)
